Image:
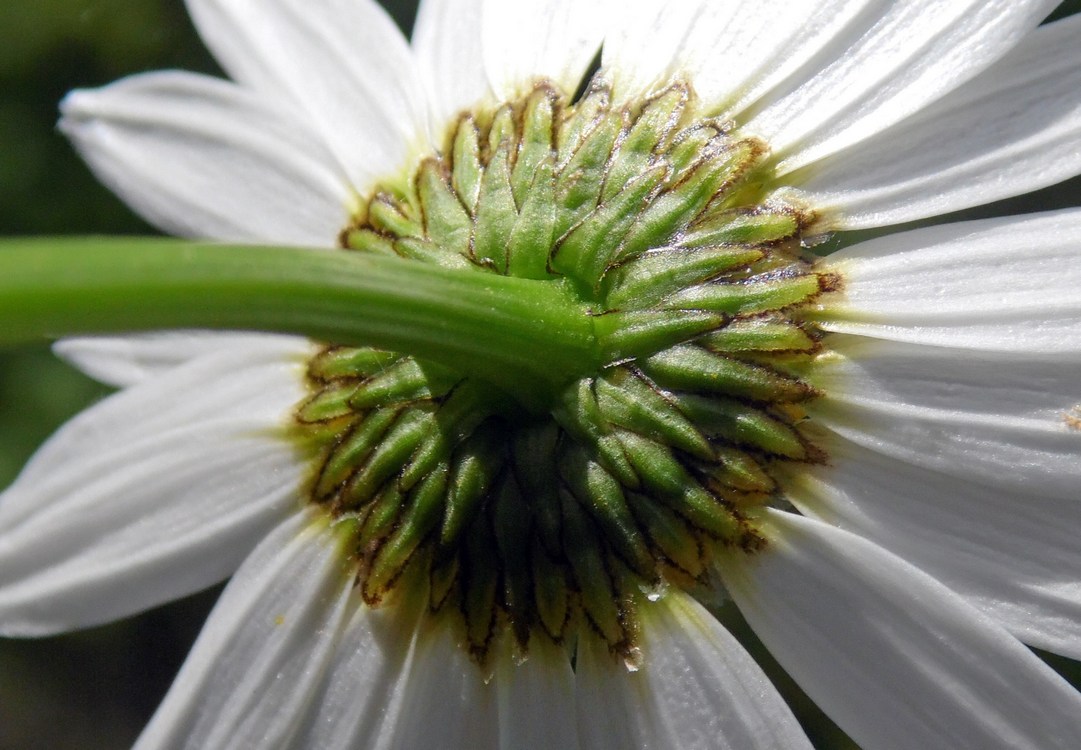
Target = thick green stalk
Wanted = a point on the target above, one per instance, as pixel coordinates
(527, 337)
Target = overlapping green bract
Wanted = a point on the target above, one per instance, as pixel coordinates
(555, 524)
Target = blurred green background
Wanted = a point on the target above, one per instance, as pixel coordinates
(97, 688)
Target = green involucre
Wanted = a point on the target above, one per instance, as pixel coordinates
(550, 515)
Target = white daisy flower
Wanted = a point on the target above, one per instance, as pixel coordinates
(875, 454)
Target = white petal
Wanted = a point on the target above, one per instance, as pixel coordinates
(1012, 554)
(447, 42)
(697, 689)
(994, 386)
(396, 684)
(908, 56)
(264, 651)
(154, 493)
(645, 45)
(896, 658)
(122, 361)
(986, 487)
(199, 157)
(958, 428)
(731, 51)
(363, 689)
(531, 694)
(1005, 284)
(1014, 129)
(606, 698)
(447, 688)
(535, 39)
(259, 383)
(343, 66)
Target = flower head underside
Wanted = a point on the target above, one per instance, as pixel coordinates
(664, 226)
(871, 452)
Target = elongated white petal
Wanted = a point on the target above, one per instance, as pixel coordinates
(541, 39)
(896, 658)
(697, 689)
(906, 58)
(1002, 285)
(361, 697)
(202, 158)
(985, 492)
(1037, 454)
(445, 686)
(1014, 129)
(342, 63)
(382, 682)
(645, 45)
(152, 494)
(732, 51)
(447, 42)
(266, 647)
(1012, 554)
(122, 361)
(532, 695)
(259, 383)
(605, 698)
(991, 385)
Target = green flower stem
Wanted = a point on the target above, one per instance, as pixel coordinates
(527, 337)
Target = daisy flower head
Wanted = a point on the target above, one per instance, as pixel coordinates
(873, 454)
